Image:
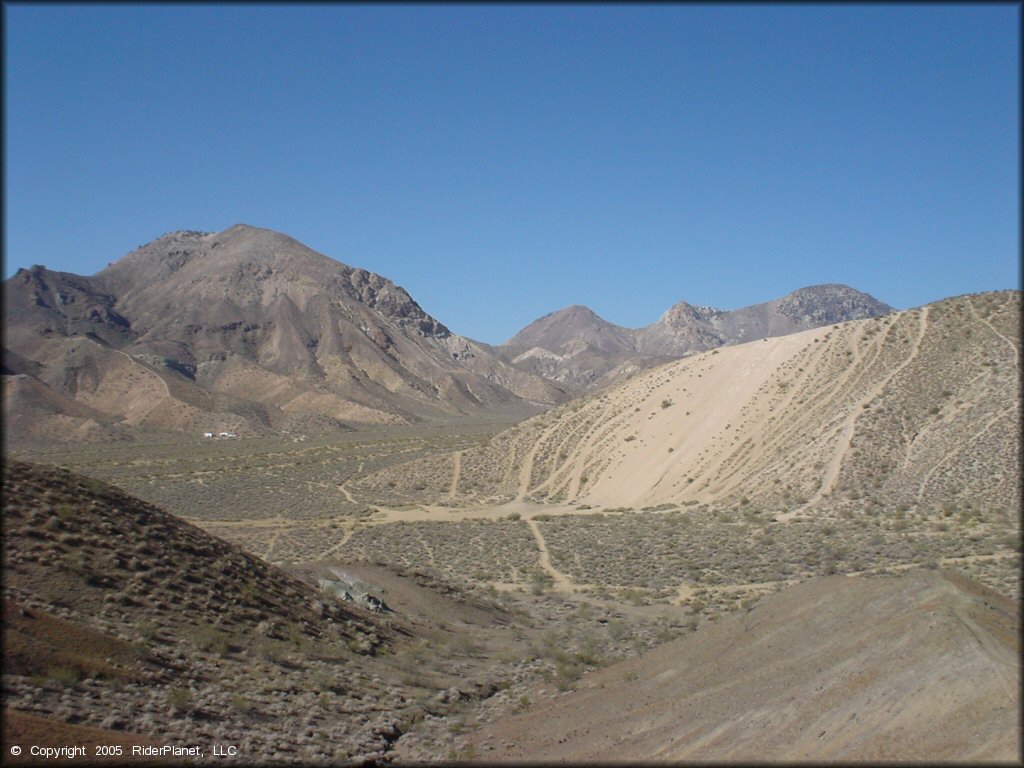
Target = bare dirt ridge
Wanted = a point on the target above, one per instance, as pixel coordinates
(914, 667)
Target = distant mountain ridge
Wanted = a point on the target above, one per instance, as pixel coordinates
(248, 330)
(576, 347)
(245, 329)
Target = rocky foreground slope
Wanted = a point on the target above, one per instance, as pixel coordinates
(920, 667)
(240, 330)
(120, 617)
(915, 410)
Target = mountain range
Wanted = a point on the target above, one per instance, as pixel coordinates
(576, 347)
(248, 330)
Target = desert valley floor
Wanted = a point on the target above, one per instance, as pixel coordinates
(524, 614)
(800, 548)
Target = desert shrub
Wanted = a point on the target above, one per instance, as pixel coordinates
(211, 640)
(64, 675)
(270, 650)
(241, 704)
(567, 672)
(179, 699)
(147, 630)
(616, 629)
(540, 581)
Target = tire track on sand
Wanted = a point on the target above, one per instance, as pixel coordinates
(456, 472)
(828, 481)
(526, 473)
(1009, 341)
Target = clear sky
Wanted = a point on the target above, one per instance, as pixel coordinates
(502, 162)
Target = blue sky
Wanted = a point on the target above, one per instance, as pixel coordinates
(502, 162)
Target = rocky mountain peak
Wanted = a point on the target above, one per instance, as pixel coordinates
(830, 303)
(683, 312)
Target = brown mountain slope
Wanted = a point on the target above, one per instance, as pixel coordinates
(579, 349)
(916, 667)
(249, 328)
(916, 409)
(574, 347)
(31, 407)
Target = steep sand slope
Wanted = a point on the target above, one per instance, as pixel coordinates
(917, 667)
(917, 408)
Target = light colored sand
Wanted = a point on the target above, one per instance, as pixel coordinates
(713, 390)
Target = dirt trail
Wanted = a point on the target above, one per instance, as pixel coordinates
(343, 487)
(957, 450)
(562, 583)
(828, 481)
(348, 495)
(685, 591)
(133, 361)
(349, 530)
(272, 543)
(567, 468)
(743, 468)
(456, 472)
(1004, 665)
(1016, 352)
(942, 561)
(167, 391)
(526, 473)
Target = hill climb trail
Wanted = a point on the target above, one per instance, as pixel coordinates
(835, 463)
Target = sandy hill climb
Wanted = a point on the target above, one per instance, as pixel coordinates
(245, 329)
(914, 409)
(921, 667)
